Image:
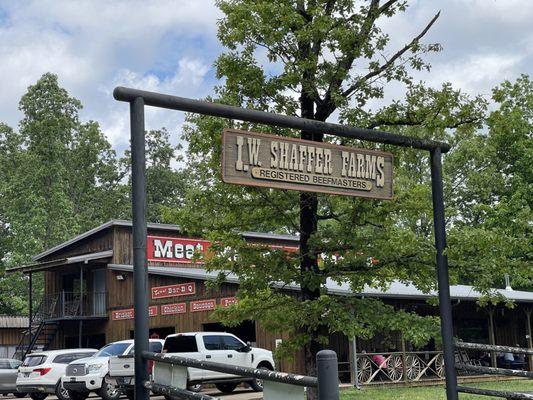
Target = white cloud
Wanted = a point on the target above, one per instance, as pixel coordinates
(479, 73)
(187, 81)
(93, 45)
(170, 45)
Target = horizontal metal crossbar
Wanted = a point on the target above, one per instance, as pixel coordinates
(222, 110)
(494, 371)
(495, 393)
(175, 392)
(274, 376)
(489, 347)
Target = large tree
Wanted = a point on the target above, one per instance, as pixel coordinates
(317, 60)
(59, 178)
(490, 181)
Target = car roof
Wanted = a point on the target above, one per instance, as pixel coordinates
(200, 333)
(131, 341)
(61, 351)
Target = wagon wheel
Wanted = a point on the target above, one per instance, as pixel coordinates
(413, 367)
(364, 369)
(439, 366)
(395, 368)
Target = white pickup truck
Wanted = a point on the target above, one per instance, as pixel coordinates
(210, 346)
(89, 374)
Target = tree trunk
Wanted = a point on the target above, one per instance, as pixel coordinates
(309, 259)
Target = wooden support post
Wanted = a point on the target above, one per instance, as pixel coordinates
(492, 339)
(529, 338)
(404, 359)
(351, 358)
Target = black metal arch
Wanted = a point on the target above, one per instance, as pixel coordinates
(139, 98)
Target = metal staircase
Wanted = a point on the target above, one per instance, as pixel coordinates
(40, 334)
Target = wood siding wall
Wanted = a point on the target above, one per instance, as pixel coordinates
(10, 336)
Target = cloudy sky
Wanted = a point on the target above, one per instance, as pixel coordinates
(170, 46)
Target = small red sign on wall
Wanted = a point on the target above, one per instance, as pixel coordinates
(175, 250)
(175, 308)
(203, 305)
(129, 313)
(228, 301)
(181, 289)
(123, 314)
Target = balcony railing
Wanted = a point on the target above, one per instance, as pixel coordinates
(71, 304)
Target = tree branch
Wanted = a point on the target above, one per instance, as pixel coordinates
(349, 91)
(326, 106)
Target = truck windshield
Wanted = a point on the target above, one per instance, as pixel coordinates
(180, 344)
(113, 349)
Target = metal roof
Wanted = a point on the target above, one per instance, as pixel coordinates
(164, 227)
(108, 224)
(396, 289)
(271, 236)
(13, 321)
(41, 266)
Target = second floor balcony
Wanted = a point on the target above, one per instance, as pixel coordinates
(72, 305)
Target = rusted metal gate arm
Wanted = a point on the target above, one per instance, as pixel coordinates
(274, 376)
(495, 393)
(488, 347)
(166, 390)
(494, 371)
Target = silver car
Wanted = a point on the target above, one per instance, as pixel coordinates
(8, 376)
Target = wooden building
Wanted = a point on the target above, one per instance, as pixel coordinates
(12, 328)
(88, 297)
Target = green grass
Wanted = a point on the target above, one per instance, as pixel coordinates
(432, 392)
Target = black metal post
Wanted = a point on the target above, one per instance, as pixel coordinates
(140, 271)
(80, 325)
(445, 304)
(30, 308)
(327, 371)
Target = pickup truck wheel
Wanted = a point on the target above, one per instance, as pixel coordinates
(108, 391)
(77, 395)
(61, 392)
(257, 384)
(20, 395)
(38, 396)
(226, 387)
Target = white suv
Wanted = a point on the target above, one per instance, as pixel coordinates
(40, 373)
(88, 374)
